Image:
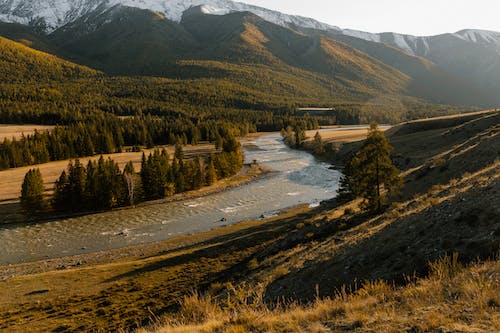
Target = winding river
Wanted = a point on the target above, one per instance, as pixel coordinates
(300, 179)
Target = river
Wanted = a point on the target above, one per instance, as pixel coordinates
(299, 179)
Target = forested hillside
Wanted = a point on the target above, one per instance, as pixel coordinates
(220, 75)
(19, 63)
(152, 39)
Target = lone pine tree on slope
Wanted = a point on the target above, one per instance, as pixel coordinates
(371, 174)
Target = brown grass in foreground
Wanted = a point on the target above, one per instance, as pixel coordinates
(452, 208)
(451, 299)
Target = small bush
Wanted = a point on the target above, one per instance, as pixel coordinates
(253, 264)
(348, 211)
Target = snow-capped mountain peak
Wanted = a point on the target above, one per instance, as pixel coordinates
(52, 14)
(486, 38)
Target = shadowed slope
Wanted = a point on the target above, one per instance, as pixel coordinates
(20, 63)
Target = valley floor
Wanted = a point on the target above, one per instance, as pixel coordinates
(303, 271)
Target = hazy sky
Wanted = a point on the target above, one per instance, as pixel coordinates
(417, 17)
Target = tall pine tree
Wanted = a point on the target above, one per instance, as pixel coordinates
(32, 199)
(372, 175)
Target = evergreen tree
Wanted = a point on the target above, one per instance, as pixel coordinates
(211, 173)
(76, 183)
(130, 178)
(179, 151)
(60, 199)
(300, 136)
(92, 186)
(32, 190)
(319, 148)
(289, 136)
(373, 175)
(218, 142)
(145, 177)
(199, 174)
(345, 192)
(231, 145)
(129, 168)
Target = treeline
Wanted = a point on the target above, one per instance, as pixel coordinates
(294, 136)
(109, 134)
(98, 186)
(101, 185)
(62, 103)
(160, 177)
(104, 136)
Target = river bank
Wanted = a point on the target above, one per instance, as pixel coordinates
(11, 180)
(248, 173)
(141, 252)
(297, 178)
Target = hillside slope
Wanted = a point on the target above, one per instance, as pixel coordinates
(452, 299)
(299, 255)
(131, 41)
(20, 63)
(429, 80)
(451, 178)
(129, 37)
(471, 56)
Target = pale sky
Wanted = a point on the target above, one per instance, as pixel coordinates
(416, 17)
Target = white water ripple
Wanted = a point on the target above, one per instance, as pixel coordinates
(299, 179)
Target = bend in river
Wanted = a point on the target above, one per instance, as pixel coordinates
(299, 179)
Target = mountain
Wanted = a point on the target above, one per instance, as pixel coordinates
(429, 80)
(124, 40)
(132, 41)
(422, 46)
(471, 56)
(52, 14)
(183, 39)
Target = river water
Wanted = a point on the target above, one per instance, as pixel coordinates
(299, 179)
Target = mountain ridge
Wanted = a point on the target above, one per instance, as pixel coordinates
(57, 13)
(61, 12)
(455, 69)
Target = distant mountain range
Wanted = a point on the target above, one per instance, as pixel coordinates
(160, 37)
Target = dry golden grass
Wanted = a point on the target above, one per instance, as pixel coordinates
(11, 180)
(291, 250)
(348, 135)
(460, 115)
(452, 298)
(16, 131)
(127, 292)
(121, 289)
(336, 134)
